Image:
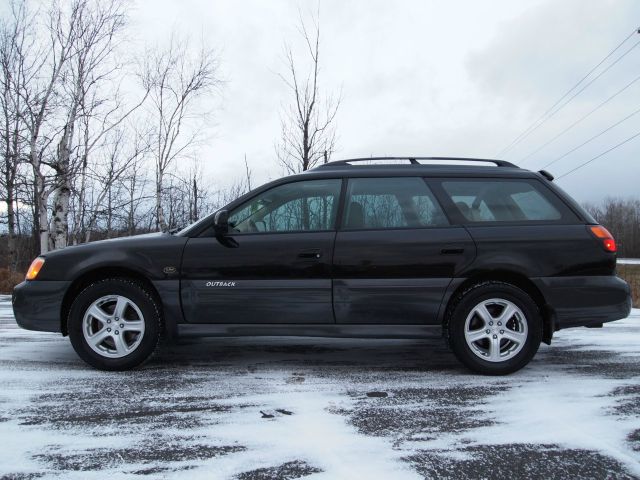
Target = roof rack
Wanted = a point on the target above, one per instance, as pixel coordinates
(416, 161)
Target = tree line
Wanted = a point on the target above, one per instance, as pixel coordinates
(622, 218)
(99, 141)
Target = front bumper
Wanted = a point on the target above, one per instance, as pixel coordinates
(37, 304)
(587, 301)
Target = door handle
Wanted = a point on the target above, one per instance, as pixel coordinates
(452, 251)
(310, 254)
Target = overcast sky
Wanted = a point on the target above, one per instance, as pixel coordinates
(455, 78)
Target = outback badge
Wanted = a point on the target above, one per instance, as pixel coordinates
(221, 284)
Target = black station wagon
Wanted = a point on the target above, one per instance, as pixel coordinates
(496, 257)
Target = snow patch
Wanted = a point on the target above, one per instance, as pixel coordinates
(213, 394)
(628, 261)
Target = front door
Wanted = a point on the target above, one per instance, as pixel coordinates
(274, 266)
(395, 253)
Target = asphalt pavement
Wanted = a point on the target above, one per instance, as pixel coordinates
(285, 408)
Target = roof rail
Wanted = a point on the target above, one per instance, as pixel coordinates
(417, 160)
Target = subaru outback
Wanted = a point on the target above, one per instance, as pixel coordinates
(495, 257)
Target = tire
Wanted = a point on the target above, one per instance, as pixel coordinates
(494, 328)
(114, 324)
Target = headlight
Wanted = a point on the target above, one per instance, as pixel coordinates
(34, 268)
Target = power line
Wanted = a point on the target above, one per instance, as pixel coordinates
(533, 126)
(550, 112)
(524, 159)
(592, 138)
(598, 156)
(581, 90)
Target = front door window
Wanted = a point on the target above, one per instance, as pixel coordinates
(293, 207)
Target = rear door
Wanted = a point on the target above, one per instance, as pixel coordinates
(395, 254)
(274, 266)
(520, 225)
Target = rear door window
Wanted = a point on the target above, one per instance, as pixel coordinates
(384, 203)
(497, 200)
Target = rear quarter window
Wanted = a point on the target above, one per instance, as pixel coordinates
(505, 200)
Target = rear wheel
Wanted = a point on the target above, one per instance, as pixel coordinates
(495, 328)
(114, 324)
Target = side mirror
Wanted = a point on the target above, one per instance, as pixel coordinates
(221, 222)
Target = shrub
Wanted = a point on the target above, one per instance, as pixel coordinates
(9, 279)
(631, 273)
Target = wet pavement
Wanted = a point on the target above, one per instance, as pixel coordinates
(286, 408)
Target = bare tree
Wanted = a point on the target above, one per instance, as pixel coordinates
(135, 184)
(194, 191)
(308, 133)
(40, 77)
(14, 39)
(96, 26)
(236, 189)
(247, 174)
(179, 83)
(74, 165)
(108, 176)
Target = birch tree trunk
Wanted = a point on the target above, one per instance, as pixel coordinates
(60, 221)
(79, 220)
(62, 183)
(42, 198)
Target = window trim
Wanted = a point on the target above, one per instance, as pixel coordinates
(335, 222)
(567, 214)
(341, 218)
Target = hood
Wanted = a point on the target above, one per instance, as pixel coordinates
(133, 240)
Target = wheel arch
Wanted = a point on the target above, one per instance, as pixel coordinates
(516, 279)
(97, 274)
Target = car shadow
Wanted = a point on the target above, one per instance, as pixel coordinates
(293, 352)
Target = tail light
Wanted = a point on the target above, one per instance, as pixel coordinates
(34, 268)
(601, 233)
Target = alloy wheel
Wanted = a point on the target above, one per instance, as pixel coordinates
(113, 326)
(496, 330)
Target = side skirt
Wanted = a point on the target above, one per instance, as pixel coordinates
(309, 330)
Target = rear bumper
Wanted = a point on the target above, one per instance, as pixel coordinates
(37, 304)
(585, 301)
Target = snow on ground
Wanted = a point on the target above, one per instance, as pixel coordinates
(628, 261)
(284, 408)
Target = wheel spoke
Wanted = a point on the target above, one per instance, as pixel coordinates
(494, 349)
(483, 313)
(121, 306)
(99, 314)
(517, 337)
(132, 326)
(99, 337)
(508, 312)
(475, 335)
(120, 344)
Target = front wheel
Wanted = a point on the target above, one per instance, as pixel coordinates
(495, 328)
(114, 324)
